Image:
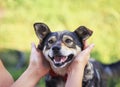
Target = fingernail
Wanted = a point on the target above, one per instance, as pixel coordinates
(92, 45)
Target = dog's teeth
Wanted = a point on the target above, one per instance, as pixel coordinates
(60, 59)
(56, 61)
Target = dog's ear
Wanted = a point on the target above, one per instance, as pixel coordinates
(83, 32)
(41, 30)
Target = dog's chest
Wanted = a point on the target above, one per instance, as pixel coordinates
(53, 80)
(61, 84)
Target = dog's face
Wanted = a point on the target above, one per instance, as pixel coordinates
(60, 48)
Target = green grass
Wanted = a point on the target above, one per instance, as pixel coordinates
(102, 16)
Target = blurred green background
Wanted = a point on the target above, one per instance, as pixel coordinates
(18, 16)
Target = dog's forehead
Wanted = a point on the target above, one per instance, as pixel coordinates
(64, 32)
(60, 34)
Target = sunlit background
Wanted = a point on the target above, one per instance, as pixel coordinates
(18, 16)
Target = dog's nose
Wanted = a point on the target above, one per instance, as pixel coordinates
(56, 48)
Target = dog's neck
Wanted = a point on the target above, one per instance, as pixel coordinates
(60, 71)
(53, 74)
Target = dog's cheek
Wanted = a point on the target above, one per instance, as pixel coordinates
(75, 50)
(45, 53)
(78, 49)
(66, 51)
(50, 53)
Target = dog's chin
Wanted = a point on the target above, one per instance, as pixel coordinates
(61, 61)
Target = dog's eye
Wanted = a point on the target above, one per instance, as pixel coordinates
(68, 41)
(51, 41)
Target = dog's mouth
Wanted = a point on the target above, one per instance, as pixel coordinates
(61, 60)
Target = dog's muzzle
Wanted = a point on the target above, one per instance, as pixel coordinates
(58, 58)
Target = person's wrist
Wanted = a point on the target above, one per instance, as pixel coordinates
(39, 72)
(36, 73)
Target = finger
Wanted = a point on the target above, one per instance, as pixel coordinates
(89, 48)
(85, 44)
(33, 47)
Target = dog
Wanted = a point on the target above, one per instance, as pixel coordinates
(60, 49)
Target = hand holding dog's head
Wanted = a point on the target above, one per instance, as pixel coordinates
(60, 48)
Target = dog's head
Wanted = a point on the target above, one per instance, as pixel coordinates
(60, 48)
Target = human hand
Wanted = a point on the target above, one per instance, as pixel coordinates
(82, 58)
(37, 61)
(36, 70)
(76, 69)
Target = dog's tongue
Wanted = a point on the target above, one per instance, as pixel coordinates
(57, 59)
(60, 59)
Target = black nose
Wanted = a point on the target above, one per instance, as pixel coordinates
(56, 48)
